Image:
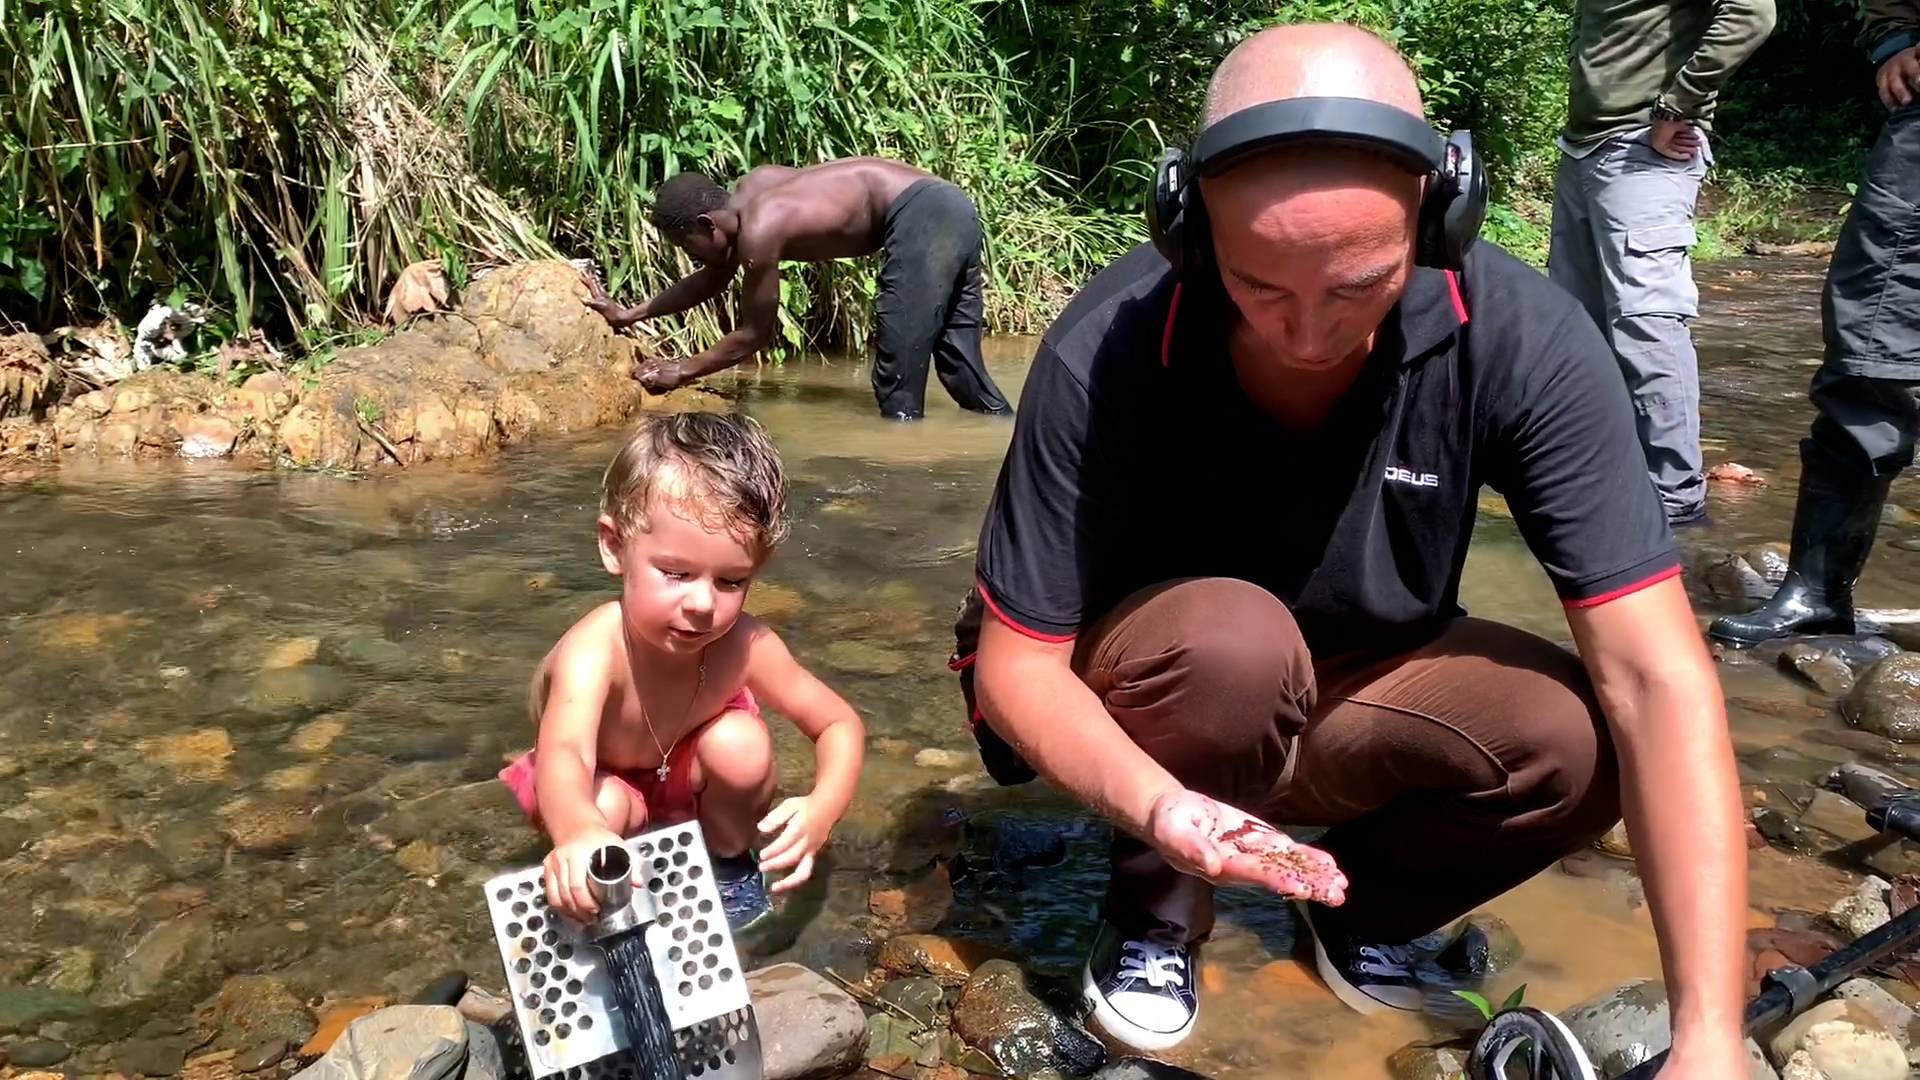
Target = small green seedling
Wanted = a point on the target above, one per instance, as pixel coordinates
(1486, 1009)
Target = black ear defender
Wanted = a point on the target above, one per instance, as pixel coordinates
(1451, 211)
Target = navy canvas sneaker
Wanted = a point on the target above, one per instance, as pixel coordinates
(1143, 993)
(1415, 976)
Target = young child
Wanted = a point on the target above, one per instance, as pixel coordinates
(648, 709)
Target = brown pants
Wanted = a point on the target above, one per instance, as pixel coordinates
(1449, 774)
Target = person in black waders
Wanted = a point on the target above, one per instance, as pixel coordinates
(1866, 393)
(928, 306)
(1218, 580)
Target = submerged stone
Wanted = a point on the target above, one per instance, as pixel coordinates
(1828, 673)
(252, 1009)
(809, 1028)
(1417, 1061)
(1629, 1024)
(174, 960)
(38, 1053)
(160, 1056)
(998, 1013)
(1886, 699)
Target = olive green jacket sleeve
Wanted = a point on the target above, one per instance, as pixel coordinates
(1889, 26)
(1737, 30)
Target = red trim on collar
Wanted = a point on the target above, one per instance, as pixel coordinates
(1166, 335)
(1459, 302)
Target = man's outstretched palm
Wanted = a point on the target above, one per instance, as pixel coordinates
(1214, 841)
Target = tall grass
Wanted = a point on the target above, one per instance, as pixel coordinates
(287, 159)
(579, 109)
(260, 155)
(282, 160)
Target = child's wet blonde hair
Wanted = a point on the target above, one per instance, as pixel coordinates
(720, 469)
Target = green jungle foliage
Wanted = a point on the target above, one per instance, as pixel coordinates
(282, 160)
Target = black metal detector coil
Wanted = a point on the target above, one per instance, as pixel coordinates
(1550, 1050)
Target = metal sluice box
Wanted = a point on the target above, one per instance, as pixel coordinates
(563, 998)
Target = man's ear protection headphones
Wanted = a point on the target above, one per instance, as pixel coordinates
(1451, 209)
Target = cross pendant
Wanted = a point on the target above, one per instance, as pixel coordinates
(663, 770)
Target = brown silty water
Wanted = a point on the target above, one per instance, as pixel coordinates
(262, 711)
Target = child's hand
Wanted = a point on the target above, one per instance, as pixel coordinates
(806, 830)
(566, 868)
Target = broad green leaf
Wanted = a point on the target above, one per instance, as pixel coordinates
(1513, 999)
(33, 278)
(1477, 1001)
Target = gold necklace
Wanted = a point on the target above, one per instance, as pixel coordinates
(647, 717)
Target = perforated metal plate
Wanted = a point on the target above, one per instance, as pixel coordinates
(562, 996)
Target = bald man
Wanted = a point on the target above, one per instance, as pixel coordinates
(1218, 586)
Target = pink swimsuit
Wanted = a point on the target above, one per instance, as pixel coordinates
(666, 801)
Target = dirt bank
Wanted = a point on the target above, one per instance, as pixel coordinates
(518, 357)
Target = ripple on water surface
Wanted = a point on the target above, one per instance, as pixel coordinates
(251, 720)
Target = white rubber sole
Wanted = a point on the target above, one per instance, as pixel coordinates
(1126, 1032)
(1350, 995)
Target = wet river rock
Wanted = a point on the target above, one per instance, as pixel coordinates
(175, 961)
(919, 997)
(1009, 841)
(1863, 911)
(26, 1008)
(1629, 1024)
(37, 1053)
(1857, 651)
(1735, 581)
(948, 962)
(289, 693)
(1894, 1016)
(405, 1042)
(810, 1029)
(1886, 699)
(998, 1014)
(1844, 1040)
(1418, 1061)
(251, 1010)
(1828, 673)
(160, 1055)
(1838, 817)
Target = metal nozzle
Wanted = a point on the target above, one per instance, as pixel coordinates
(610, 881)
(610, 877)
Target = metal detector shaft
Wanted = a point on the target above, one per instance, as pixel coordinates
(1894, 810)
(1793, 988)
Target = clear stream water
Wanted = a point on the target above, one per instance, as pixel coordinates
(268, 707)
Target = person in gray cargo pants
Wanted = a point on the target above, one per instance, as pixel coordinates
(1644, 82)
(1866, 393)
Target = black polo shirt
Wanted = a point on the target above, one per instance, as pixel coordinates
(1137, 458)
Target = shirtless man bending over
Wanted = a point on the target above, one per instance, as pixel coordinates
(928, 306)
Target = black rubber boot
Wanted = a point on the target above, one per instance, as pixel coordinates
(1834, 519)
